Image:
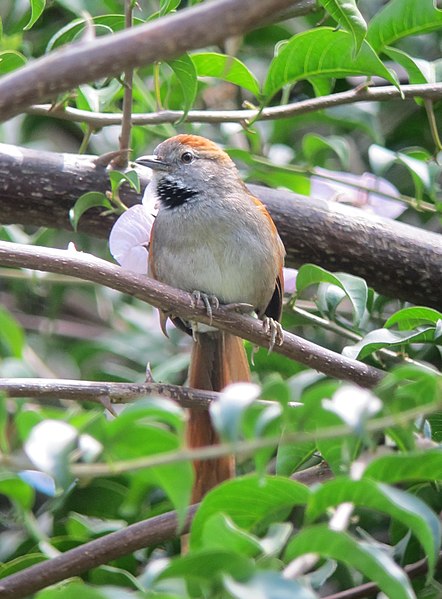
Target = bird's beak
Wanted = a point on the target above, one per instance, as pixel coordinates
(153, 162)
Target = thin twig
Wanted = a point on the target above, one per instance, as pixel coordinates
(431, 91)
(126, 123)
(174, 301)
(95, 391)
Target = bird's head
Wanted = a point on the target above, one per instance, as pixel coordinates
(187, 167)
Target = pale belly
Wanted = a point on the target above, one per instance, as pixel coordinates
(234, 268)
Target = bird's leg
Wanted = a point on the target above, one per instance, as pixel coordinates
(274, 330)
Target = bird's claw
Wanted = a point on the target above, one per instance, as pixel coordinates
(274, 330)
(209, 301)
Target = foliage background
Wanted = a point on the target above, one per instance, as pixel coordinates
(254, 532)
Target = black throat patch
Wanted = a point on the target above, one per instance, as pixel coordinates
(172, 195)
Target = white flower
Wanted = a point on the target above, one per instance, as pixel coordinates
(129, 239)
(353, 404)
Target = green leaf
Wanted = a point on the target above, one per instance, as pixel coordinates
(273, 498)
(375, 564)
(117, 178)
(354, 287)
(220, 532)
(16, 490)
(167, 6)
(20, 563)
(227, 413)
(346, 13)
(91, 199)
(11, 334)
(401, 18)
(37, 7)
(11, 60)
(68, 33)
(185, 73)
(322, 52)
(206, 564)
(418, 70)
(227, 68)
(410, 318)
(314, 145)
(380, 338)
(73, 590)
(411, 511)
(413, 466)
(268, 585)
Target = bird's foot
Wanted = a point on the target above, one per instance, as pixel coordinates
(209, 301)
(274, 330)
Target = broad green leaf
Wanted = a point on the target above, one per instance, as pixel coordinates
(268, 585)
(381, 159)
(73, 590)
(11, 60)
(20, 563)
(167, 6)
(227, 413)
(107, 23)
(185, 73)
(410, 318)
(371, 561)
(12, 335)
(411, 511)
(346, 13)
(396, 468)
(273, 498)
(291, 456)
(227, 68)
(220, 532)
(418, 70)
(380, 338)
(37, 7)
(207, 563)
(322, 52)
(313, 145)
(16, 490)
(117, 178)
(149, 437)
(354, 287)
(401, 18)
(91, 199)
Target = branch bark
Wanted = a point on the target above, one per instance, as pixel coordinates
(430, 91)
(175, 301)
(38, 188)
(102, 392)
(163, 39)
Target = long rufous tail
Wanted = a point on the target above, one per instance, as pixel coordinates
(217, 360)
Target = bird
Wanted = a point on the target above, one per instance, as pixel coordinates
(212, 238)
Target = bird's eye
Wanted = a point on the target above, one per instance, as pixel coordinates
(187, 157)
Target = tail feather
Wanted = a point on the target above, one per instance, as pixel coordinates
(217, 360)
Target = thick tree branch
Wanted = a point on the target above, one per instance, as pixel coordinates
(163, 39)
(39, 188)
(431, 91)
(175, 301)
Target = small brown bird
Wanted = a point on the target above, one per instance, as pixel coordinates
(211, 237)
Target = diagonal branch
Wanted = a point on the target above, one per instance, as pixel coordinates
(175, 301)
(206, 24)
